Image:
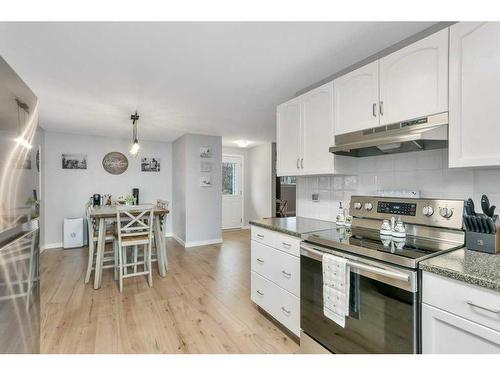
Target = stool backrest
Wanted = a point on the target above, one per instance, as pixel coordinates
(90, 222)
(134, 220)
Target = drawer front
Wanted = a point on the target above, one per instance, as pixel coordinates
(280, 304)
(262, 235)
(279, 267)
(471, 302)
(288, 244)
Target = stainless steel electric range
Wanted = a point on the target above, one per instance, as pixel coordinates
(384, 306)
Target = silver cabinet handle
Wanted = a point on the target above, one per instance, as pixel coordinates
(495, 311)
(260, 260)
(286, 244)
(287, 312)
(260, 235)
(259, 292)
(286, 273)
(381, 108)
(302, 163)
(374, 109)
(298, 160)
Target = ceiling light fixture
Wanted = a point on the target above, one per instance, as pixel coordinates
(134, 150)
(242, 142)
(21, 140)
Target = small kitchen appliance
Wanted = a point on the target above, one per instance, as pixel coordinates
(96, 200)
(384, 309)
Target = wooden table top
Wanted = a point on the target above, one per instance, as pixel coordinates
(110, 212)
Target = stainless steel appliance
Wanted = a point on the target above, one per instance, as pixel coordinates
(384, 296)
(424, 133)
(19, 215)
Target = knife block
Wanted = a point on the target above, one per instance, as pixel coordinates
(484, 242)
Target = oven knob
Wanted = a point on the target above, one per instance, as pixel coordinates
(446, 212)
(427, 211)
(357, 205)
(368, 206)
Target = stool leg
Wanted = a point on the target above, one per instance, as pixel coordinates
(125, 268)
(90, 261)
(120, 267)
(136, 249)
(150, 274)
(115, 254)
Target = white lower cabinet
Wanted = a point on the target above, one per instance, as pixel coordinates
(458, 318)
(275, 278)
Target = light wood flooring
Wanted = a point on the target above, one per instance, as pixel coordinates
(202, 306)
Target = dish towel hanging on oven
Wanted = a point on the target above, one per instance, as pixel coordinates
(336, 276)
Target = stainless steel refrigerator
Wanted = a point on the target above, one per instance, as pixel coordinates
(20, 146)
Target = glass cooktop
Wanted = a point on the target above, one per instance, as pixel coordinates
(406, 251)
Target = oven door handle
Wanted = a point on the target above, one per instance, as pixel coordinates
(314, 254)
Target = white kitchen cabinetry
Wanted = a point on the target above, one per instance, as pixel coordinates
(356, 98)
(305, 133)
(414, 80)
(275, 276)
(458, 317)
(474, 91)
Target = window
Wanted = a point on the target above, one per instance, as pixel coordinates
(288, 180)
(229, 178)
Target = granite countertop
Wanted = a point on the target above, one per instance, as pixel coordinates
(472, 267)
(293, 226)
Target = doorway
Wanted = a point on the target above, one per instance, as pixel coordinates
(232, 191)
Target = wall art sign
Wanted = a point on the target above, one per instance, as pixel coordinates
(205, 152)
(205, 181)
(74, 161)
(150, 164)
(115, 163)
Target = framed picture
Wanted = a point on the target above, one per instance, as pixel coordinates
(205, 152)
(205, 166)
(205, 181)
(115, 163)
(150, 164)
(74, 161)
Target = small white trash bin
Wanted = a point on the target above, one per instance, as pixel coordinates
(73, 232)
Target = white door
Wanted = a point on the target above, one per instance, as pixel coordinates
(474, 94)
(414, 80)
(356, 99)
(288, 138)
(232, 192)
(317, 130)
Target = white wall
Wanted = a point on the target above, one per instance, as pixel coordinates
(66, 191)
(202, 205)
(426, 171)
(261, 184)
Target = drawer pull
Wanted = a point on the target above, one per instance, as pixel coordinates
(259, 292)
(495, 311)
(286, 244)
(260, 235)
(287, 312)
(260, 260)
(286, 274)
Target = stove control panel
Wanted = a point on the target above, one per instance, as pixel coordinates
(446, 213)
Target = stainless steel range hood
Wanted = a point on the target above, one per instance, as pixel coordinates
(424, 133)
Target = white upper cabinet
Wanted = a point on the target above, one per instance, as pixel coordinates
(474, 129)
(317, 124)
(288, 138)
(305, 133)
(414, 80)
(356, 97)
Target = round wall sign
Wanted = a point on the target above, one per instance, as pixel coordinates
(115, 163)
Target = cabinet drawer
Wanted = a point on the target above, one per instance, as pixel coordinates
(262, 235)
(288, 244)
(279, 267)
(468, 301)
(280, 304)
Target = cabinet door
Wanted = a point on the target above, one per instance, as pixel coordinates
(474, 91)
(414, 80)
(356, 99)
(288, 138)
(445, 333)
(317, 130)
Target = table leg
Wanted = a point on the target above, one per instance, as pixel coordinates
(99, 254)
(161, 253)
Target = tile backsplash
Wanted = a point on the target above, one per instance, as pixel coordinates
(425, 171)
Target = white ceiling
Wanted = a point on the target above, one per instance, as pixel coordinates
(207, 78)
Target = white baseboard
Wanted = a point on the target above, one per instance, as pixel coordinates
(51, 246)
(196, 243)
(169, 234)
(245, 227)
(178, 239)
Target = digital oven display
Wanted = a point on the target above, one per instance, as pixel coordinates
(395, 208)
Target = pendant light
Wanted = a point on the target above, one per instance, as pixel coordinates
(20, 136)
(134, 150)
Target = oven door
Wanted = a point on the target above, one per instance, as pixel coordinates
(382, 306)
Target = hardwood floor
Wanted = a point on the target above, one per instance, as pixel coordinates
(202, 306)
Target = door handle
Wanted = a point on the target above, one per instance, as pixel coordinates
(374, 109)
(495, 311)
(381, 108)
(259, 292)
(260, 235)
(286, 274)
(302, 163)
(298, 160)
(286, 244)
(287, 312)
(260, 260)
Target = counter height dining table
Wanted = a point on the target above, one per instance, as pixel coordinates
(108, 214)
